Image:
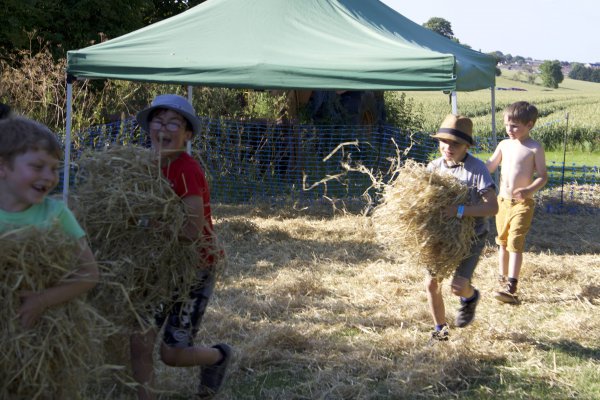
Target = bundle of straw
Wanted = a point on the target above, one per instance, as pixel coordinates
(134, 221)
(58, 356)
(410, 220)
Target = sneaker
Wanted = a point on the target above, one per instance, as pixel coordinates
(466, 312)
(212, 376)
(505, 296)
(440, 336)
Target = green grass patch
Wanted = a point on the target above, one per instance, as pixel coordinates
(571, 157)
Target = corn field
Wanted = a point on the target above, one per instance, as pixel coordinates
(577, 99)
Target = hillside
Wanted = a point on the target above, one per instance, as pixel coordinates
(578, 98)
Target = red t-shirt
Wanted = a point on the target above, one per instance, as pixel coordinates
(187, 179)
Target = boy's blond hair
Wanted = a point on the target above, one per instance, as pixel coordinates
(19, 135)
(522, 112)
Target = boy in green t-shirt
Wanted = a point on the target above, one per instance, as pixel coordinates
(29, 161)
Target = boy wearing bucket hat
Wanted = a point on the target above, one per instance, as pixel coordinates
(171, 122)
(455, 136)
(521, 158)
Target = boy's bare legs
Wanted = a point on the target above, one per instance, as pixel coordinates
(514, 265)
(435, 300)
(142, 362)
(189, 356)
(460, 287)
(509, 268)
(469, 298)
(503, 258)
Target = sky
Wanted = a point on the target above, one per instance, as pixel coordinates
(540, 29)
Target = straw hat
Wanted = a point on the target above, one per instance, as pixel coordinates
(170, 102)
(457, 128)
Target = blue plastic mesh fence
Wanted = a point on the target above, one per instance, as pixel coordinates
(249, 162)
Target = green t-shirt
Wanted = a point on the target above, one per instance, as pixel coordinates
(43, 215)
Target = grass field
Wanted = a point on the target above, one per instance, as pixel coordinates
(316, 310)
(557, 157)
(581, 100)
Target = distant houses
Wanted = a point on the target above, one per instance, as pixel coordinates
(516, 89)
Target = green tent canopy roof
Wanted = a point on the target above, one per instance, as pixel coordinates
(288, 44)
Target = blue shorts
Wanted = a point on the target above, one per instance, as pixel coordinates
(467, 266)
(182, 318)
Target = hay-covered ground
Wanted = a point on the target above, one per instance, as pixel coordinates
(315, 311)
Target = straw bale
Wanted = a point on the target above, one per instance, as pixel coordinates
(410, 223)
(58, 356)
(134, 221)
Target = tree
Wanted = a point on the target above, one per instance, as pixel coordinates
(498, 56)
(519, 60)
(71, 24)
(551, 73)
(579, 72)
(167, 8)
(440, 26)
(67, 24)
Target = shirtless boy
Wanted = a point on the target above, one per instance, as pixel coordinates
(523, 173)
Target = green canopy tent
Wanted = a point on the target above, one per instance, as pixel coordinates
(307, 44)
(286, 44)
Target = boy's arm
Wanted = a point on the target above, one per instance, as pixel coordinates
(193, 228)
(494, 161)
(487, 207)
(539, 181)
(84, 278)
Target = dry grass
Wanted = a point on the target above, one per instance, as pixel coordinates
(315, 310)
(411, 216)
(134, 223)
(58, 356)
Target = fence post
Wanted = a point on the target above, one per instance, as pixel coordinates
(562, 178)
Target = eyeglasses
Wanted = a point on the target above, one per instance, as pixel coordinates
(171, 126)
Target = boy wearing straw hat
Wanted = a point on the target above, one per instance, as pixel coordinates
(455, 137)
(29, 162)
(521, 158)
(171, 122)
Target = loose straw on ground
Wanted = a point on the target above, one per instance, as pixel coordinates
(410, 221)
(57, 357)
(134, 221)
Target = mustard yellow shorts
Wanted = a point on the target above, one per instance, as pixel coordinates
(513, 222)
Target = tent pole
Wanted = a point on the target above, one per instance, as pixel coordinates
(494, 137)
(454, 103)
(189, 97)
(67, 162)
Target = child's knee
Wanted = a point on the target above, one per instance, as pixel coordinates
(500, 242)
(459, 285)
(169, 355)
